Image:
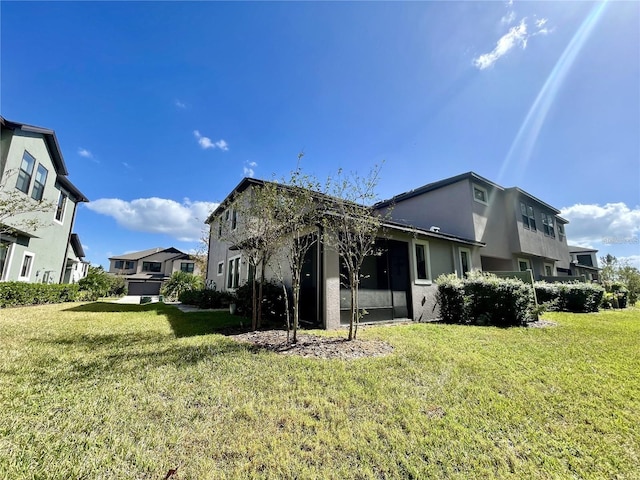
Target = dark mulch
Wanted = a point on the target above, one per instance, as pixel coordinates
(313, 346)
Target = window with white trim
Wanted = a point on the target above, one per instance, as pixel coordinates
(5, 251)
(27, 265)
(26, 172)
(62, 203)
(528, 216)
(465, 260)
(421, 263)
(234, 219)
(39, 183)
(480, 194)
(220, 267)
(548, 269)
(548, 225)
(560, 232)
(233, 272)
(524, 264)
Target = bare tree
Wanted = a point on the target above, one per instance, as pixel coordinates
(351, 226)
(17, 210)
(249, 226)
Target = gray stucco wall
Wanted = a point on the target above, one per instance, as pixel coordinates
(446, 207)
(50, 245)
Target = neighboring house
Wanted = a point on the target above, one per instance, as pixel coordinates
(31, 164)
(519, 231)
(146, 271)
(584, 261)
(76, 268)
(397, 283)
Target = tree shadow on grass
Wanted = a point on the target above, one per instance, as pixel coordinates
(183, 324)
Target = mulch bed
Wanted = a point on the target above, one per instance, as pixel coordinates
(314, 346)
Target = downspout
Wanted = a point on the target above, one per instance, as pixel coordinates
(453, 257)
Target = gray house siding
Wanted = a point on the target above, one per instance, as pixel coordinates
(47, 246)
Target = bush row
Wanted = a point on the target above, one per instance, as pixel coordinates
(273, 304)
(14, 294)
(206, 298)
(484, 299)
(569, 297)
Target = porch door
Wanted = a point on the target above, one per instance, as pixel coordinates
(399, 279)
(310, 287)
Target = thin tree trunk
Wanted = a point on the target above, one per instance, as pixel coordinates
(262, 269)
(286, 308)
(353, 307)
(253, 303)
(357, 296)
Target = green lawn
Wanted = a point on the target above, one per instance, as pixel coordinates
(117, 392)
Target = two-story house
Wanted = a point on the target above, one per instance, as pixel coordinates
(396, 283)
(519, 231)
(584, 261)
(35, 241)
(147, 270)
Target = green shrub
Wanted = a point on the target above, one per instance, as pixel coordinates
(102, 284)
(206, 298)
(451, 299)
(570, 297)
(181, 282)
(497, 301)
(273, 304)
(13, 294)
(484, 299)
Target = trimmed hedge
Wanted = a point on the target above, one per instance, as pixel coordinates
(484, 299)
(15, 294)
(569, 297)
(206, 298)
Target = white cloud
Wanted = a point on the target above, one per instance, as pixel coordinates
(609, 224)
(183, 221)
(508, 18)
(206, 143)
(632, 260)
(83, 152)
(85, 247)
(180, 104)
(516, 36)
(248, 169)
(126, 165)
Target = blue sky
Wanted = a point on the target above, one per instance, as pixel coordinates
(162, 107)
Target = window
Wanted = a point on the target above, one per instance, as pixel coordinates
(585, 260)
(233, 273)
(480, 194)
(465, 261)
(547, 225)
(25, 172)
(119, 264)
(186, 267)
(5, 248)
(560, 232)
(129, 265)
(151, 267)
(524, 264)
(421, 265)
(25, 269)
(220, 227)
(548, 269)
(220, 267)
(38, 186)
(528, 216)
(234, 220)
(62, 202)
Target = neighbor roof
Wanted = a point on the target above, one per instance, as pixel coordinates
(576, 249)
(455, 179)
(146, 253)
(76, 245)
(51, 141)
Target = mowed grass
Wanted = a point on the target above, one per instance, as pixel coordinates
(111, 391)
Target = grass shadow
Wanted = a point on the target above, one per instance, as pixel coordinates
(182, 324)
